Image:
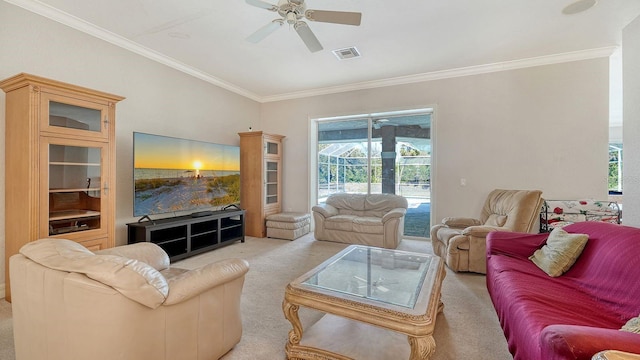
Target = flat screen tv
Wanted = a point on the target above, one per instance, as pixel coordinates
(178, 175)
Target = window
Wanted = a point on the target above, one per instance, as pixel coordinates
(615, 168)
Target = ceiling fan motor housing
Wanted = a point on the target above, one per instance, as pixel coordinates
(291, 10)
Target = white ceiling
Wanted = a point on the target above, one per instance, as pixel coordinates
(400, 41)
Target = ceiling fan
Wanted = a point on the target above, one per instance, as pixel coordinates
(292, 12)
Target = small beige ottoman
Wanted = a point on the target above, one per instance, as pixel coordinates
(288, 225)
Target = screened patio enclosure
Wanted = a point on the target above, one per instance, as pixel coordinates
(374, 155)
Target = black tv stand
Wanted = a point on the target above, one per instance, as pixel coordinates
(201, 213)
(146, 217)
(185, 236)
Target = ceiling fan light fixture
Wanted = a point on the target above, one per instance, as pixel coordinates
(579, 6)
(292, 18)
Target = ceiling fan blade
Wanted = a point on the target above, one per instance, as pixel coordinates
(262, 4)
(307, 36)
(265, 31)
(336, 17)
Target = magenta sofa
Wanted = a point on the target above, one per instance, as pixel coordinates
(577, 314)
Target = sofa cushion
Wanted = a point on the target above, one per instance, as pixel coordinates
(374, 205)
(560, 252)
(379, 204)
(147, 252)
(340, 222)
(132, 278)
(368, 225)
(347, 203)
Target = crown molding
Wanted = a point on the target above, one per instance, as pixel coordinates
(67, 19)
(452, 73)
(64, 18)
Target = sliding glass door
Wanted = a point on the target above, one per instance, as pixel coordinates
(379, 153)
(343, 157)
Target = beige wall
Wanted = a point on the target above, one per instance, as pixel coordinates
(631, 124)
(542, 127)
(537, 128)
(158, 100)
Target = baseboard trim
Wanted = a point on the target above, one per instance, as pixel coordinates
(3, 288)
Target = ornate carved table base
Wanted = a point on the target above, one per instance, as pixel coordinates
(365, 327)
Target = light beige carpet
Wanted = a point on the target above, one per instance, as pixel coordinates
(468, 329)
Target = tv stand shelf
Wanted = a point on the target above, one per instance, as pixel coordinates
(185, 236)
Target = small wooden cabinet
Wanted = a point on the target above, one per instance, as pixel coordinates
(184, 236)
(260, 178)
(60, 164)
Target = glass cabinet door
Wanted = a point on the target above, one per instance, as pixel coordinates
(72, 116)
(271, 183)
(75, 186)
(272, 148)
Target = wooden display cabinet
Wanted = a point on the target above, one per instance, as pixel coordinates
(60, 164)
(260, 179)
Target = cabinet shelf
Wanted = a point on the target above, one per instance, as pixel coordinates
(169, 241)
(72, 214)
(73, 190)
(230, 227)
(204, 233)
(63, 163)
(185, 236)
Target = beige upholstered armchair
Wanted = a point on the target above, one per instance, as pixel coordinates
(461, 242)
(121, 303)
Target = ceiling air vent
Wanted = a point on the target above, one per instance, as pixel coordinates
(346, 53)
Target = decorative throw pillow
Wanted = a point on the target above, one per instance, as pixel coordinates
(633, 325)
(560, 252)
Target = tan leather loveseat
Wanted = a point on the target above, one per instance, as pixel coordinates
(121, 303)
(374, 219)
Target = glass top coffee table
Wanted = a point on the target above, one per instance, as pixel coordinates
(365, 292)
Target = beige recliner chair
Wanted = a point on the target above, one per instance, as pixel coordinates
(121, 303)
(461, 242)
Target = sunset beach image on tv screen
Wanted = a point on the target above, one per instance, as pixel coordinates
(172, 174)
